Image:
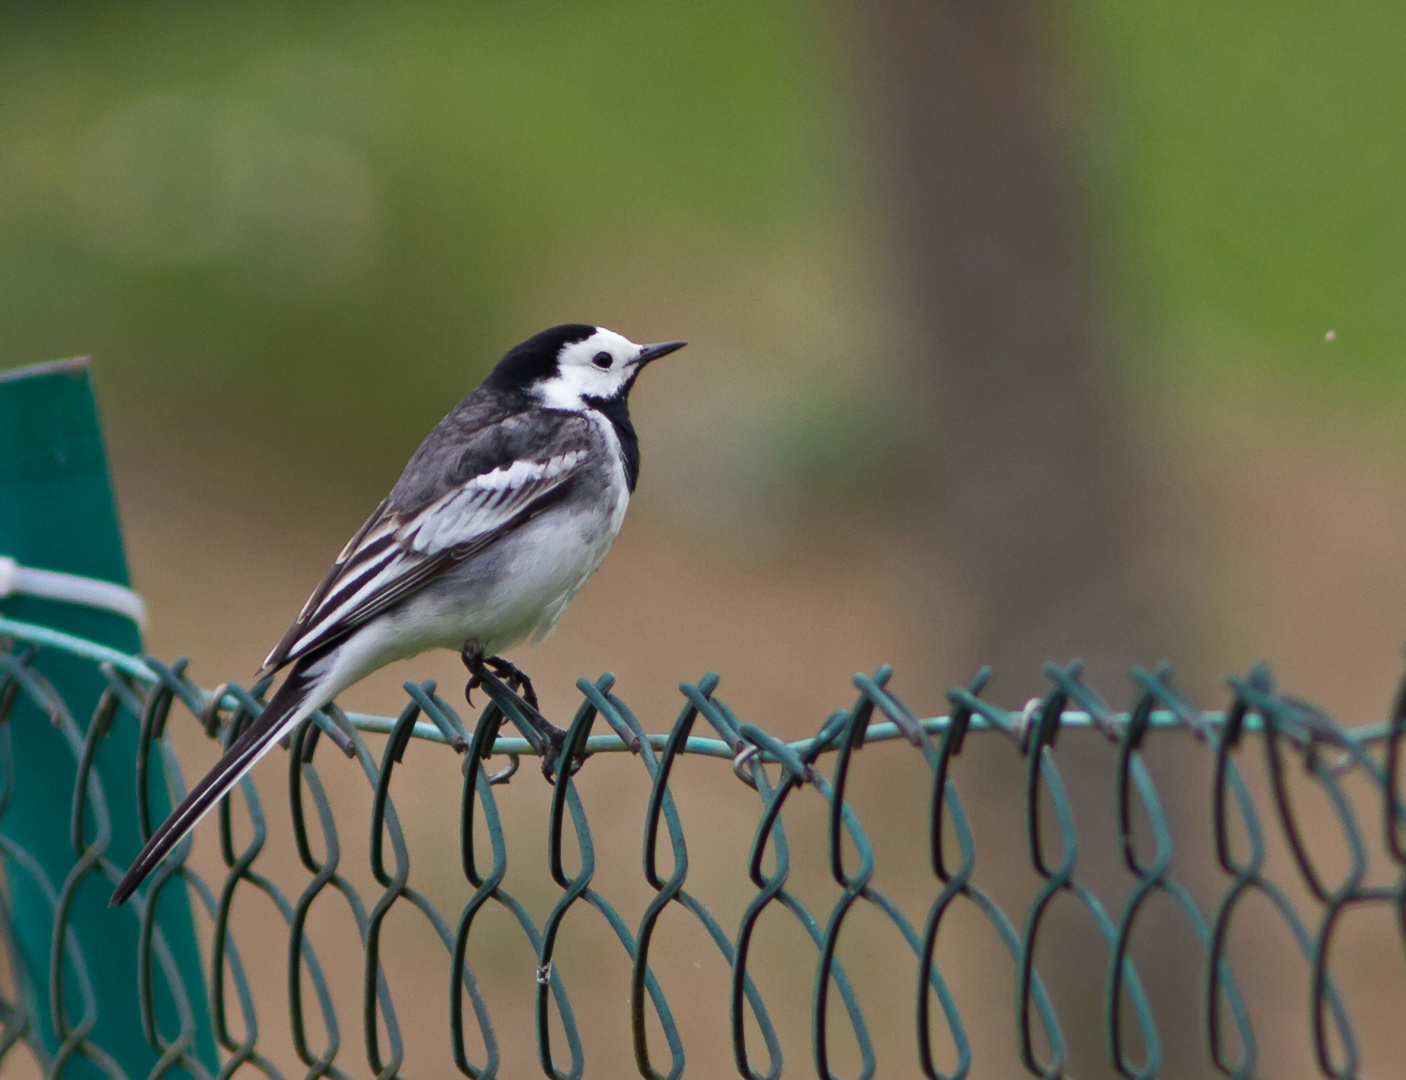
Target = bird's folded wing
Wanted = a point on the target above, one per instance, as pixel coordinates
(396, 552)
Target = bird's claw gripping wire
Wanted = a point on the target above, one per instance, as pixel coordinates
(511, 675)
(505, 677)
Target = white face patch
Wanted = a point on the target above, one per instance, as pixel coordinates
(598, 367)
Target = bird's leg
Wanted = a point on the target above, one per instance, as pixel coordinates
(480, 675)
(515, 677)
(505, 677)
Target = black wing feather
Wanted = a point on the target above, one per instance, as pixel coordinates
(462, 449)
(216, 784)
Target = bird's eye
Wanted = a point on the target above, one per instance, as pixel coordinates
(603, 360)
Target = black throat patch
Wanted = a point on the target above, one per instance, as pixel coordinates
(617, 411)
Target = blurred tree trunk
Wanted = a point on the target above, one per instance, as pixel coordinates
(1033, 502)
(1030, 500)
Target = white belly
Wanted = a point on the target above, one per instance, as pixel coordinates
(514, 590)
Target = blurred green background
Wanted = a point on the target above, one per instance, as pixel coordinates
(316, 221)
(1018, 331)
(305, 222)
(1249, 163)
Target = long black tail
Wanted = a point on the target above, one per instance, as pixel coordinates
(289, 707)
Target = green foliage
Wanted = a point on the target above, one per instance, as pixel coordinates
(1249, 159)
(322, 222)
(325, 221)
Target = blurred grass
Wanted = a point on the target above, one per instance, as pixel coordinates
(325, 223)
(1248, 163)
(319, 225)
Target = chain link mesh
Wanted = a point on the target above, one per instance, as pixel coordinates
(1255, 741)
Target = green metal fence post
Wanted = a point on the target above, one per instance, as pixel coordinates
(57, 513)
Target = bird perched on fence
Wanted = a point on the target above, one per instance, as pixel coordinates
(500, 517)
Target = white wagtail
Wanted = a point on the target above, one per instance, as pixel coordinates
(500, 517)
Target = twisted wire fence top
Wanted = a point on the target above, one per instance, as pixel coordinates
(1267, 862)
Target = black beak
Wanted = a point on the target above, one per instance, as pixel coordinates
(654, 352)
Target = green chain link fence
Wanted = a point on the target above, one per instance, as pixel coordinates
(1307, 828)
(1260, 729)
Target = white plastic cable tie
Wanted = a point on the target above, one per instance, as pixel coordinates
(70, 589)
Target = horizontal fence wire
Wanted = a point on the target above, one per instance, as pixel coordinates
(1261, 732)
